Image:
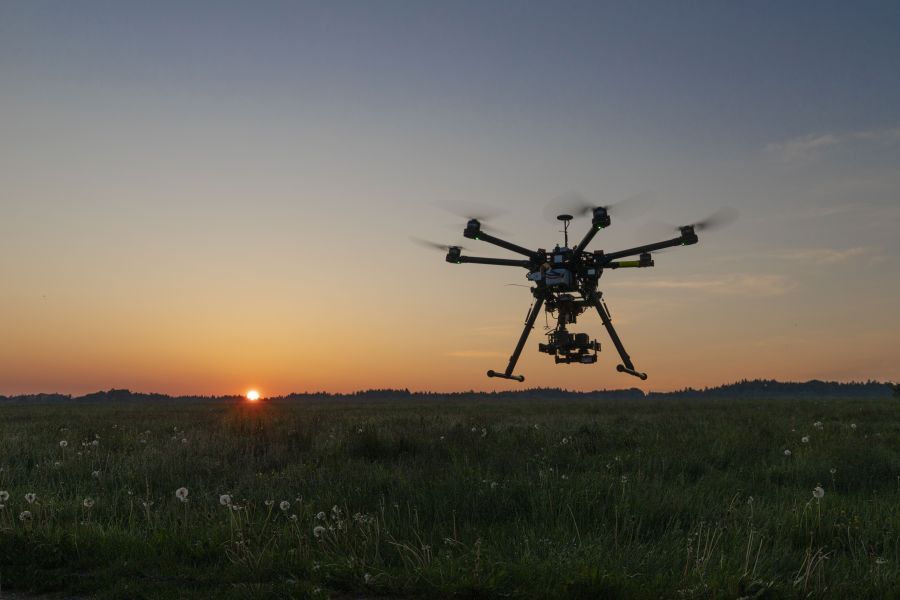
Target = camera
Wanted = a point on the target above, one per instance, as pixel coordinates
(570, 347)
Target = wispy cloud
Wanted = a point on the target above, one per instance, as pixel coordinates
(829, 256)
(809, 147)
(757, 284)
(474, 354)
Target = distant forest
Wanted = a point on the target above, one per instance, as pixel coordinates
(746, 389)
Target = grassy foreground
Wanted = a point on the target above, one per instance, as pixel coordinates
(644, 499)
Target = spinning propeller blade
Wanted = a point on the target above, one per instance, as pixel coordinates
(577, 205)
(483, 214)
(717, 220)
(434, 245)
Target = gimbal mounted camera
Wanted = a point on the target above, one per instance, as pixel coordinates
(565, 283)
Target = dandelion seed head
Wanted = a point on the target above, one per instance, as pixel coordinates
(833, 470)
(4, 495)
(182, 494)
(63, 443)
(818, 492)
(25, 515)
(805, 439)
(225, 500)
(787, 452)
(31, 497)
(319, 531)
(321, 515)
(269, 502)
(852, 425)
(88, 503)
(284, 505)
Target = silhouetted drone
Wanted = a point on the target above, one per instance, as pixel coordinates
(565, 282)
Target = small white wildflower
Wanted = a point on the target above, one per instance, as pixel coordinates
(787, 452)
(88, 503)
(818, 492)
(63, 443)
(284, 505)
(4, 495)
(805, 439)
(25, 515)
(30, 497)
(318, 531)
(182, 494)
(225, 500)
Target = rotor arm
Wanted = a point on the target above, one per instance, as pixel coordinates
(685, 239)
(529, 325)
(480, 260)
(627, 366)
(600, 220)
(473, 232)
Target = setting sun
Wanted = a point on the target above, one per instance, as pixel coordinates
(252, 395)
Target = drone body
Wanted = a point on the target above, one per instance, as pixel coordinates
(565, 286)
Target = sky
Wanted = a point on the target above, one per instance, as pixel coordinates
(207, 197)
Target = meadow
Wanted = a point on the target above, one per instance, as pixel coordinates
(427, 498)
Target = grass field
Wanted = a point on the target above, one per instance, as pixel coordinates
(664, 498)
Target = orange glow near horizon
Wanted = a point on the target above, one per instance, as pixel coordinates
(253, 396)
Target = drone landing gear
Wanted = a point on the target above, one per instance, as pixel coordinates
(628, 367)
(529, 325)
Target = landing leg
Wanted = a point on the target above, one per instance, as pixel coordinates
(529, 325)
(627, 366)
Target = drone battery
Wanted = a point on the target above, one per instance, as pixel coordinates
(555, 277)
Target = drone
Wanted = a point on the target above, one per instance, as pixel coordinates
(565, 283)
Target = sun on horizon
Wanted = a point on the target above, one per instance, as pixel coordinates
(252, 395)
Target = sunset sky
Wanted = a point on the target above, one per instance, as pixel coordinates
(208, 197)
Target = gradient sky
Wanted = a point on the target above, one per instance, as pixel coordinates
(202, 197)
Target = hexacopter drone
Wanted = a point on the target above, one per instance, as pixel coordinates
(565, 283)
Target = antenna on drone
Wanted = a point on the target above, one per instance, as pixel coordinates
(565, 219)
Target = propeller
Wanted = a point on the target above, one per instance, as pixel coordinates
(717, 220)
(481, 213)
(434, 245)
(577, 205)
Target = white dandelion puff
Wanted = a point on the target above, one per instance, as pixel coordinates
(31, 497)
(368, 578)
(4, 495)
(818, 492)
(818, 424)
(319, 531)
(293, 518)
(805, 439)
(182, 494)
(284, 505)
(63, 443)
(833, 470)
(225, 500)
(787, 452)
(88, 503)
(25, 515)
(95, 443)
(57, 464)
(321, 515)
(565, 441)
(269, 502)
(852, 425)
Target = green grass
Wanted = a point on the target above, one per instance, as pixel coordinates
(602, 499)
